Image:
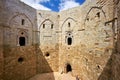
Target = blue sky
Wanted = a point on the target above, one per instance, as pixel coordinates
(53, 5)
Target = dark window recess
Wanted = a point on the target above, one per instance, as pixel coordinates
(23, 22)
(98, 67)
(47, 54)
(58, 16)
(68, 68)
(22, 33)
(43, 25)
(68, 24)
(22, 41)
(69, 41)
(87, 19)
(98, 14)
(20, 60)
(51, 26)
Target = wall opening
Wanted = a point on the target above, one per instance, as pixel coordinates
(58, 16)
(51, 26)
(22, 41)
(43, 25)
(87, 19)
(68, 24)
(69, 40)
(22, 33)
(20, 60)
(47, 54)
(23, 22)
(98, 14)
(68, 68)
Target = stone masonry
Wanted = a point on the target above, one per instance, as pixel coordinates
(84, 40)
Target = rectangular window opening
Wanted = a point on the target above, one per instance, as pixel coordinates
(43, 25)
(23, 22)
(51, 26)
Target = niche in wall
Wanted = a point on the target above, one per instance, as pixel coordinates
(22, 38)
(69, 40)
(22, 41)
(68, 68)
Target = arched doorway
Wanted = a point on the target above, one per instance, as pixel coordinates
(22, 41)
(68, 68)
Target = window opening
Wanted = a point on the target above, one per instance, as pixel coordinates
(51, 26)
(68, 24)
(22, 33)
(68, 68)
(23, 22)
(43, 25)
(20, 60)
(22, 41)
(98, 14)
(47, 54)
(69, 40)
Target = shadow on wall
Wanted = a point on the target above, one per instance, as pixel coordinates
(24, 62)
(112, 69)
(43, 66)
(107, 71)
(1, 62)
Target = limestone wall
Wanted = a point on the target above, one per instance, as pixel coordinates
(1, 41)
(48, 40)
(19, 18)
(17, 27)
(19, 63)
(115, 56)
(87, 39)
(83, 40)
(1, 53)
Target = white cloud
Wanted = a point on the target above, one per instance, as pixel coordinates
(36, 4)
(41, 1)
(66, 4)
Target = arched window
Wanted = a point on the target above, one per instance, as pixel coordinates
(68, 68)
(69, 40)
(22, 41)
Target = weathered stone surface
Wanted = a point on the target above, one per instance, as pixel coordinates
(19, 63)
(84, 40)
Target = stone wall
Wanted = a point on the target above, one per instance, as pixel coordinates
(87, 40)
(115, 57)
(48, 40)
(1, 53)
(19, 18)
(19, 62)
(17, 27)
(83, 40)
(1, 40)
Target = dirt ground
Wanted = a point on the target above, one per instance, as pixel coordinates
(53, 76)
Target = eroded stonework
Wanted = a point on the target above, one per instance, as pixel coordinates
(83, 40)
